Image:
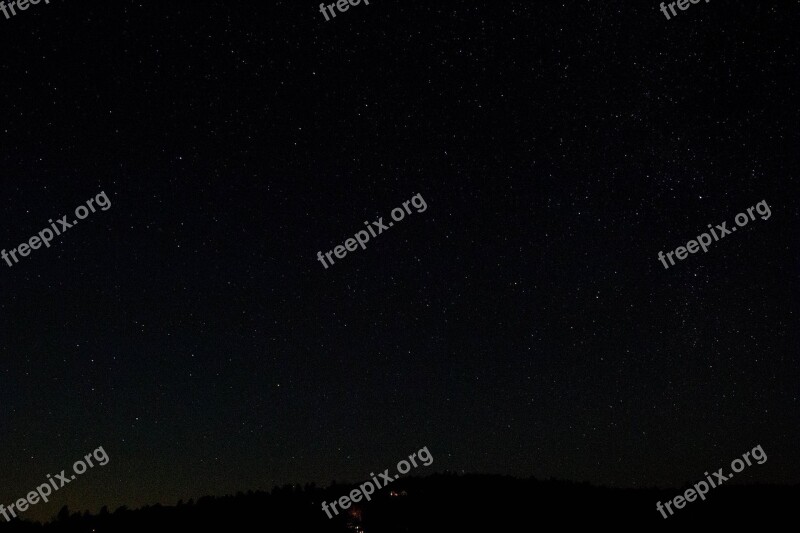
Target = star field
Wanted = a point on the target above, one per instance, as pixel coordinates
(521, 325)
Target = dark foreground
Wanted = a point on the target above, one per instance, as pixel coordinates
(440, 503)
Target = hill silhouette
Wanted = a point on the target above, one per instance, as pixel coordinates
(440, 502)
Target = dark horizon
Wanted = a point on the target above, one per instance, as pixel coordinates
(436, 500)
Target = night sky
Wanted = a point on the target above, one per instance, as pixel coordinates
(521, 325)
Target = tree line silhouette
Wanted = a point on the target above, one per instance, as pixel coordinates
(437, 503)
